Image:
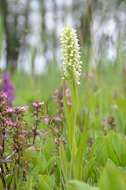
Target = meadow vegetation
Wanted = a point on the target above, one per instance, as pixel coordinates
(66, 130)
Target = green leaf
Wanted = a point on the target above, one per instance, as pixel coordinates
(116, 148)
(112, 178)
(78, 185)
(46, 182)
(1, 185)
(64, 162)
(79, 155)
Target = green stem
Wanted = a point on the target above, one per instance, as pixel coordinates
(71, 121)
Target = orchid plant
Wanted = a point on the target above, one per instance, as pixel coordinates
(71, 155)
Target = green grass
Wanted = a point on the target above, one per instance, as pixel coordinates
(38, 87)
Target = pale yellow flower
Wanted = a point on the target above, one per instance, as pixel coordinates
(71, 55)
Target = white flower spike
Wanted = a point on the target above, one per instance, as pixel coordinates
(71, 55)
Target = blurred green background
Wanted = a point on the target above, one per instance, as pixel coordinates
(30, 41)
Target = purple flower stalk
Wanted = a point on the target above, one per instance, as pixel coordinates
(8, 88)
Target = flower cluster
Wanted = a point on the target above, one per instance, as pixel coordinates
(8, 88)
(37, 110)
(37, 107)
(13, 136)
(71, 55)
(9, 114)
(58, 98)
(16, 136)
